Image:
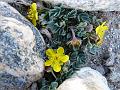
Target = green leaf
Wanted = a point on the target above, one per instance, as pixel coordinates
(62, 24)
(84, 17)
(74, 54)
(82, 57)
(55, 12)
(65, 17)
(70, 73)
(44, 88)
(63, 33)
(93, 49)
(72, 14)
(94, 19)
(54, 84)
(69, 35)
(54, 27)
(81, 33)
(82, 24)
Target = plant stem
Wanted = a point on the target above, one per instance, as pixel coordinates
(73, 33)
(54, 74)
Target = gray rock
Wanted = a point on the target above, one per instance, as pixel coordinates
(95, 62)
(90, 5)
(24, 2)
(108, 55)
(85, 79)
(34, 87)
(107, 60)
(8, 11)
(112, 46)
(21, 50)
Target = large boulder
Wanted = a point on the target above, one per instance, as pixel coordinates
(85, 79)
(90, 5)
(21, 50)
(24, 2)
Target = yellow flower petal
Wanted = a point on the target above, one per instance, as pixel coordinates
(100, 31)
(65, 58)
(100, 42)
(34, 6)
(33, 14)
(36, 15)
(60, 50)
(61, 63)
(57, 68)
(97, 29)
(101, 28)
(105, 28)
(48, 62)
(101, 34)
(34, 22)
(103, 23)
(50, 52)
(56, 59)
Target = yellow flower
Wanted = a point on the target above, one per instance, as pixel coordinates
(33, 14)
(56, 58)
(100, 31)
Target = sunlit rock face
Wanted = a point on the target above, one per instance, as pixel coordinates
(85, 79)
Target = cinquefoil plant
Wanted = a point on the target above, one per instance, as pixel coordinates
(74, 30)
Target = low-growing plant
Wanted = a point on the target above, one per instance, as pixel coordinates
(69, 34)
